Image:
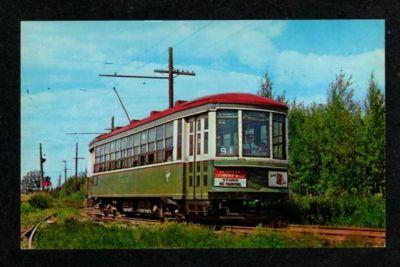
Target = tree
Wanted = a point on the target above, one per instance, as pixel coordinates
(30, 182)
(373, 138)
(266, 86)
(343, 125)
(266, 90)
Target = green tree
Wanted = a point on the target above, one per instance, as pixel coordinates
(342, 125)
(373, 149)
(266, 90)
(30, 182)
(266, 86)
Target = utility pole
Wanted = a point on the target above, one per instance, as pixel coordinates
(41, 160)
(170, 78)
(76, 166)
(171, 71)
(65, 171)
(59, 181)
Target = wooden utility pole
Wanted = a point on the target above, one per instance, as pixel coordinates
(65, 171)
(59, 181)
(171, 71)
(170, 78)
(76, 166)
(41, 160)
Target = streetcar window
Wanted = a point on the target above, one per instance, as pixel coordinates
(160, 132)
(136, 153)
(150, 158)
(191, 127)
(152, 135)
(198, 142)
(160, 151)
(143, 150)
(136, 139)
(169, 145)
(255, 133)
(191, 145)
(112, 146)
(143, 137)
(227, 133)
(123, 143)
(179, 141)
(278, 138)
(117, 145)
(205, 136)
(169, 129)
(198, 122)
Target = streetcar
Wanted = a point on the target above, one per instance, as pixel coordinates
(208, 157)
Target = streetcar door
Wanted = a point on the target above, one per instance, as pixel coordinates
(196, 149)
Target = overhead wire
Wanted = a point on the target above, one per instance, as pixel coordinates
(181, 41)
(224, 38)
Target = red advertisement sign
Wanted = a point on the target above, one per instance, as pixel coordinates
(230, 174)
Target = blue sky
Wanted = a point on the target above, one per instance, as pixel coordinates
(60, 61)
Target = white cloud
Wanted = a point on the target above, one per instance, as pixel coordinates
(292, 67)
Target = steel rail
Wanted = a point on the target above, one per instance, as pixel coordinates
(35, 228)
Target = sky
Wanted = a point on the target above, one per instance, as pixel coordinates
(61, 91)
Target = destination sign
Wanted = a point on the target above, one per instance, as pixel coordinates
(230, 178)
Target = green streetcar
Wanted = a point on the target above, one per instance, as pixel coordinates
(209, 157)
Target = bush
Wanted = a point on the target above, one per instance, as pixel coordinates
(41, 200)
(26, 208)
(344, 209)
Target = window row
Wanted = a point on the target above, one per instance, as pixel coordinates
(255, 134)
(154, 145)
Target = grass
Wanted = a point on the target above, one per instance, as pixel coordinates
(70, 229)
(65, 209)
(85, 235)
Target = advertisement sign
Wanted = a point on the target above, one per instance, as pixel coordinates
(277, 179)
(230, 178)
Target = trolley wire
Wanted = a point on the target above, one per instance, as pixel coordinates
(180, 42)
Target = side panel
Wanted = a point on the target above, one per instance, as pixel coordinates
(199, 179)
(154, 181)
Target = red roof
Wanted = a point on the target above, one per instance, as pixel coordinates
(228, 98)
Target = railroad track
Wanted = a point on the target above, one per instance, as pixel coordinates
(99, 217)
(31, 231)
(332, 235)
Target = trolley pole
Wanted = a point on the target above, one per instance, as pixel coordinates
(76, 166)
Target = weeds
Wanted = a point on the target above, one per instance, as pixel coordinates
(87, 235)
(41, 200)
(343, 210)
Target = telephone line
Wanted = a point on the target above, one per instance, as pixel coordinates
(181, 41)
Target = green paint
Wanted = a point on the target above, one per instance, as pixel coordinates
(249, 163)
(155, 181)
